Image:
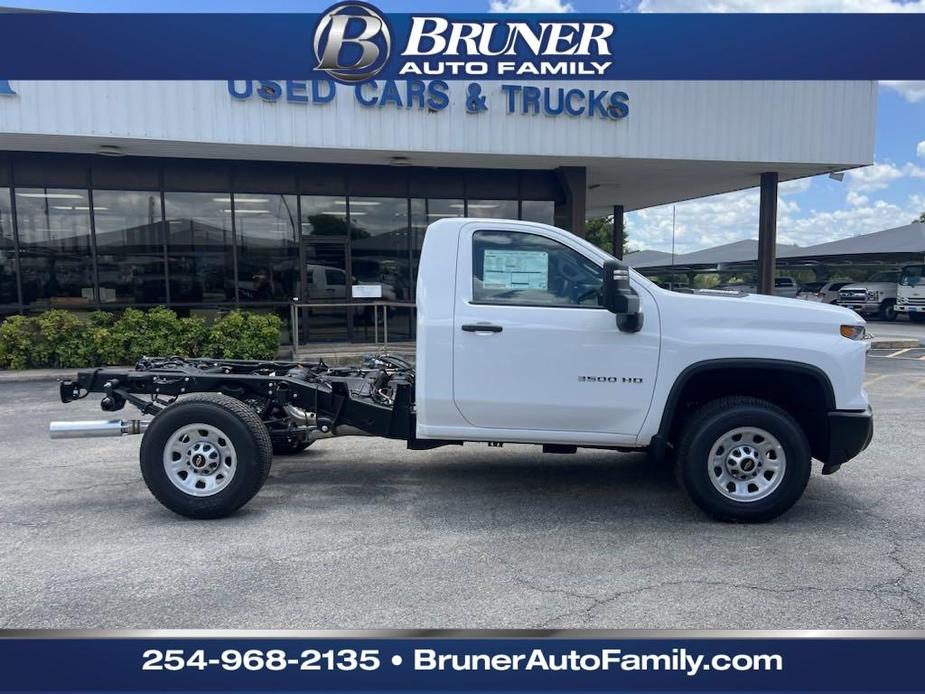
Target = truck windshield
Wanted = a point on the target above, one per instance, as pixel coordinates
(912, 275)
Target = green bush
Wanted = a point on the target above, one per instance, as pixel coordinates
(243, 335)
(62, 341)
(18, 338)
(57, 338)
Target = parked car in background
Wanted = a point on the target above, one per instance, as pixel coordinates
(875, 296)
(910, 296)
(823, 292)
(783, 286)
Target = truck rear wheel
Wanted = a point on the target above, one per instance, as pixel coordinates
(743, 459)
(206, 456)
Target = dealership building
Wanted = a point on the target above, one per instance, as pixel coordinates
(209, 195)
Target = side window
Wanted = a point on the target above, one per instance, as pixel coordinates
(334, 278)
(510, 267)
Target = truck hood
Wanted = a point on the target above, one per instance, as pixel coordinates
(737, 306)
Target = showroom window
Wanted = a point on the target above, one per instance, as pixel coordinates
(129, 246)
(8, 293)
(531, 270)
(268, 256)
(324, 216)
(199, 245)
(543, 211)
(495, 209)
(54, 244)
(380, 245)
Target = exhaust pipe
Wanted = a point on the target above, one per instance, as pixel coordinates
(91, 428)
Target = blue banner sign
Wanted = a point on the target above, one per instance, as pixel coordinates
(355, 42)
(221, 662)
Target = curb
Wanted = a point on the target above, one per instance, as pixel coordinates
(894, 343)
(36, 375)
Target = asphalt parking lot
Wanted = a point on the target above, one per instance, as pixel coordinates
(360, 533)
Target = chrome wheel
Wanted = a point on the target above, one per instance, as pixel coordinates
(200, 460)
(747, 464)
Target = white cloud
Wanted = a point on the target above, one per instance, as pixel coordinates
(795, 187)
(530, 6)
(920, 149)
(780, 6)
(874, 177)
(856, 199)
(721, 219)
(863, 218)
(911, 91)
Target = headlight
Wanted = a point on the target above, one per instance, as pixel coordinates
(902, 300)
(873, 295)
(852, 332)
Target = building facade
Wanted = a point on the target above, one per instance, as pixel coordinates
(205, 196)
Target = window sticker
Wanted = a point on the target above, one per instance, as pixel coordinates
(515, 269)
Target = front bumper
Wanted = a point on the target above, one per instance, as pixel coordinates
(862, 307)
(849, 434)
(906, 308)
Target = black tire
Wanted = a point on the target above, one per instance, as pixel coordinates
(722, 416)
(917, 317)
(246, 433)
(290, 446)
(887, 310)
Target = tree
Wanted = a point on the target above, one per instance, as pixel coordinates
(921, 218)
(599, 231)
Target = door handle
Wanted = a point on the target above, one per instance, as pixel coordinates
(481, 328)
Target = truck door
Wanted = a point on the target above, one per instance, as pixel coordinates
(532, 348)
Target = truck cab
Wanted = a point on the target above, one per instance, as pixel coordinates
(522, 345)
(910, 296)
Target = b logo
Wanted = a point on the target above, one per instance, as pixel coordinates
(352, 42)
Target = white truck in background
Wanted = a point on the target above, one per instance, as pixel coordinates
(526, 334)
(910, 295)
(875, 296)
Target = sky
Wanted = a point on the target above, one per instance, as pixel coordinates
(889, 193)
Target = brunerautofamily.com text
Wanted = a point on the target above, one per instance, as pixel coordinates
(428, 659)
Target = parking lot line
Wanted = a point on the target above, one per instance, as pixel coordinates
(871, 381)
(899, 351)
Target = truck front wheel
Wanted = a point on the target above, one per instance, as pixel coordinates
(206, 456)
(743, 459)
(888, 310)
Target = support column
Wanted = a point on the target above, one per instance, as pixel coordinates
(571, 215)
(618, 231)
(767, 232)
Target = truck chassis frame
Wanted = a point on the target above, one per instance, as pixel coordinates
(298, 402)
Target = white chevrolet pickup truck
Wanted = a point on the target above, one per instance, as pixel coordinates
(526, 334)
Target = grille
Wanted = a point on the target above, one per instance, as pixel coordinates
(916, 301)
(854, 295)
